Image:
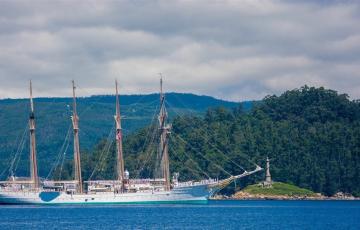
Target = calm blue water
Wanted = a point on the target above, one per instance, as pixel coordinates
(215, 215)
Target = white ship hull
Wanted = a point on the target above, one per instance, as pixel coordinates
(190, 194)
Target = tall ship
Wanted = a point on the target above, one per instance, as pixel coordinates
(164, 188)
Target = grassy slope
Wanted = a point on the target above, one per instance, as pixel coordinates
(278, 189)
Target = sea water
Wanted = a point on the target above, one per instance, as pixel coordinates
(214, 215)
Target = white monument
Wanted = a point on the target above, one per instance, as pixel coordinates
(268, 181)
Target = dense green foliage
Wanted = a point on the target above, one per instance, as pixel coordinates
(96, 119)
(278, 189)
(311, 135)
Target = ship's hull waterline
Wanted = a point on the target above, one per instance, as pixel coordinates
(191, 194)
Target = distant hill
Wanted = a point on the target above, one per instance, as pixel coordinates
(96, 120)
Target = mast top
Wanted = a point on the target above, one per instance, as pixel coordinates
(117, 99)
(117, 116)
(74, 87)
(116, 85)
(31, 98)
(161, 86)
(74, 99)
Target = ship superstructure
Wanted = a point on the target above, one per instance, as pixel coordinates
(119, 190)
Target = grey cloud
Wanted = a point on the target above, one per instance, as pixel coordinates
(231, 49)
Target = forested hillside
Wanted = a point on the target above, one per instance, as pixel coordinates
(96, 120)
(311, 135)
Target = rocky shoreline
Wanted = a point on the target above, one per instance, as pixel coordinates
(246, 196)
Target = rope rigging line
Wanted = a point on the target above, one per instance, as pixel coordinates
(15, 162)
(191, 159)
(218, 166)
(246, 158)
(13, 153)
(218, 150)
(152, 123)
(127, 107)
(194, 172)
(61, 153)
(89, 106)
(63, 160)
(3, 172)
(104, 152)
(61, 156)
(190, 111)
(146, 161)
(126, 110)
(103, 160)
(148, 151)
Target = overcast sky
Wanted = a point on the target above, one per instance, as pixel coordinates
(235, 49)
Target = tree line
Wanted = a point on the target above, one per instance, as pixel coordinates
(311, 135)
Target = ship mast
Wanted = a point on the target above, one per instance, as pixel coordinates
(164, 132)
(75, 123)
(119, 147)
(33, 161)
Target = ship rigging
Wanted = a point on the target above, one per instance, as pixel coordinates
(121, 189)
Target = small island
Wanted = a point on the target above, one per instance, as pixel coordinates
(270, 190)
(278, 191)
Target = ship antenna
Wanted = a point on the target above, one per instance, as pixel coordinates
(120, 158)
(33, 160)
(75, 123)
(165, 131)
